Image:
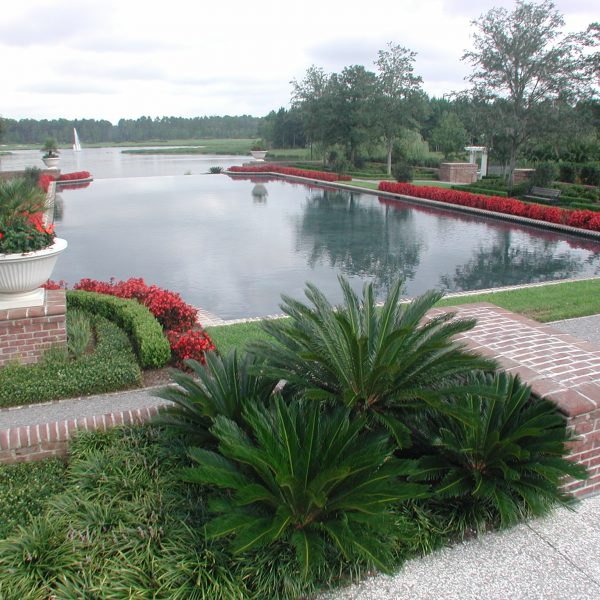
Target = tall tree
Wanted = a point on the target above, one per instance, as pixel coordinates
(450, 135)
(521, 59)
(400, 97)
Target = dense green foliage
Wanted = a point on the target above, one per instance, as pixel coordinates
(139, 530)
(32, 131)
(79, 332)
(224, 387)
(383, 443)
(112, 366)
(505, 462)
(403, 172)
(149, 342)
(305, 476)
(378, 361)
(24, 490)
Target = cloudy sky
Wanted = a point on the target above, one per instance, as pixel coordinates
(127, 58)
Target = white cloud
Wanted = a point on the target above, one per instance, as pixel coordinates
(112, 59)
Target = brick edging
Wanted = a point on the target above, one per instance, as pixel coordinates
(44, 440)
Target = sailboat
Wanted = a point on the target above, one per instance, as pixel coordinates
(76, 142)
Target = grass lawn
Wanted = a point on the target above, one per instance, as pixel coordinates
(545, 303)
(208, 146)
(372, 185)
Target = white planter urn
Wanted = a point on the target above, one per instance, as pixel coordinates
(21, 275)
(51, 162)
(258, 154)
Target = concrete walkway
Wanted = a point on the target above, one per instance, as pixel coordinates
(555, 558)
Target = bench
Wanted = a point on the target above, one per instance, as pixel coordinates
(540, 194)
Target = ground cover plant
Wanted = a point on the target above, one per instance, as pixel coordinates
(269, 491)
(111, 366)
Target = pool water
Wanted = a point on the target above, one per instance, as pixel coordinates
(233, 246)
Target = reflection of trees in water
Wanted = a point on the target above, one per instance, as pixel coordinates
(506, 264)
(359, 238)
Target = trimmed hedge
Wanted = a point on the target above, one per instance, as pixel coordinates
(486, 191)
(149, 342)
(112, 366)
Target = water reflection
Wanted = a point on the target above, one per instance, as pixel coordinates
(203, 237)
(359, 238)
(259, 193)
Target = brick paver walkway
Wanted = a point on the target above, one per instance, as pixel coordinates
(556, 365)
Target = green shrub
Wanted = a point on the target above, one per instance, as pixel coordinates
(579, 191)
(590, 174)
(402, 172)
(215, 170)
(567, 172)
(305, 477)
(79, 332)
(149, 342)
(545, 174)
(504, 458)
(486, 191)
(24, 490)
(374, 361)
(111, 367)
(222, 387)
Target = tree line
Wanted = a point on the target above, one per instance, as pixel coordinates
(32, 131)
(533, 94)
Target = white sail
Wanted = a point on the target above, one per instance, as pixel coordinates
(76, 142)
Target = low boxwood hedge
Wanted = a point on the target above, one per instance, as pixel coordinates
(149, 342)
(484, 191)
(112, 366)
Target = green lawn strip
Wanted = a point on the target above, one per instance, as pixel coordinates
(213, 146)
(373, 185)
(545, 303)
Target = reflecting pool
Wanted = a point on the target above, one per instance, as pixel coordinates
(232, 246)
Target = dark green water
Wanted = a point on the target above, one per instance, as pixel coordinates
(229, 247)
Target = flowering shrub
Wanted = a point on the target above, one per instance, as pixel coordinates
(74, 176)
(22, 226)
(271, 168)
(45, 181)
(168, 307)
(191, 344)
(178, 319)
(584, 219)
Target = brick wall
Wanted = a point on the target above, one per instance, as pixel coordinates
(458, 172)
(26, 333)
(583, 417)
(36, 442)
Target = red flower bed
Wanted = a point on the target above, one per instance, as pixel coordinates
(270, 168)
(584, 219)
(44, 181)
(178, 319)
(74, 176)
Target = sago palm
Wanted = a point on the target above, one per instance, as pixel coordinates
(374, 360)
(508, 462)
(221, 387)
(306, 477)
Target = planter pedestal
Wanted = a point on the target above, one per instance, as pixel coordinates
(21, 275)
(27, 333)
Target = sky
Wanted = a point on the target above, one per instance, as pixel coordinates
(113, 59)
